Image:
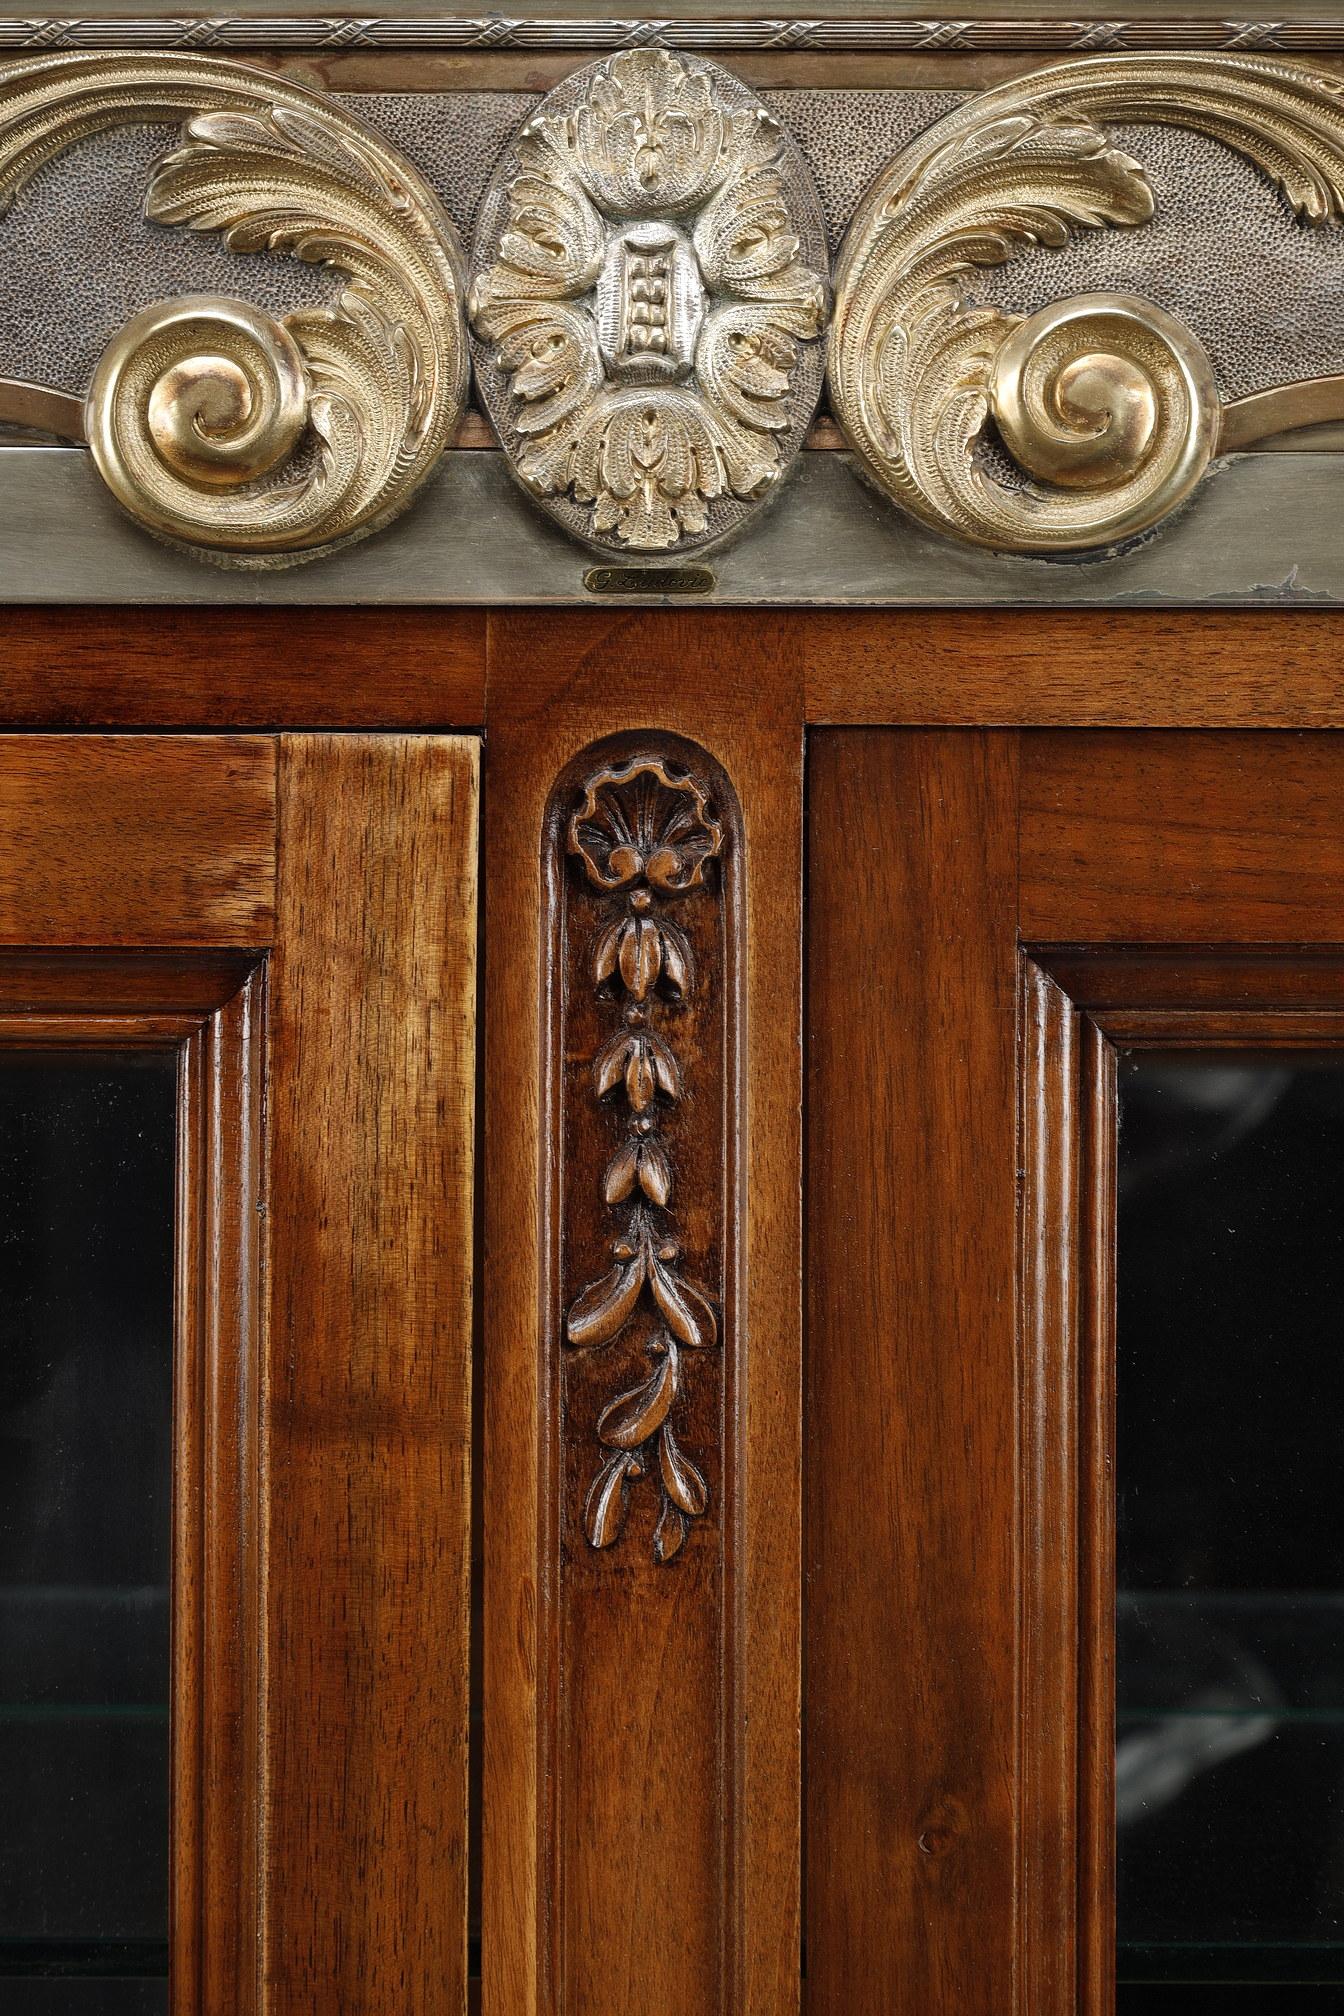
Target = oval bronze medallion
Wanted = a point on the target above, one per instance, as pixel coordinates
(648, 297)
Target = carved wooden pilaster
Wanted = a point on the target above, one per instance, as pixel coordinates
(642, 1325)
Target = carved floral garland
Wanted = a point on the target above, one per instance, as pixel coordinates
(645, 834)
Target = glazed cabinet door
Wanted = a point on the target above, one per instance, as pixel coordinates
(236, 1068)
(1075, 1565)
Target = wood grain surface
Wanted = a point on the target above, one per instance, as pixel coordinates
(427, 668)
(119, 840)
(1201, 838)
(910, 1404)
(641, 1810)
(1141, 668)
(368, 1379)
(242, 668)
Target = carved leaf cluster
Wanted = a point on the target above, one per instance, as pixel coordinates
(639, 1164)
(643, 833)
(641, 1061)
(643, 1260)
(626, 1428)
(645, 952)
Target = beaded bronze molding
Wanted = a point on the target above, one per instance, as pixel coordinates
(645, 942)
(498, 31)
(213, 423)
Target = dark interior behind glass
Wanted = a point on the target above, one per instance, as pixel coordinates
(86, 1348)
(1230, 1480)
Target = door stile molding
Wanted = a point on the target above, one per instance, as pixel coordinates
(218, 1599)
(1066, 1932)
(641, 1783)
(1052, 1128)
(1096, 1528)
(1080, 1005)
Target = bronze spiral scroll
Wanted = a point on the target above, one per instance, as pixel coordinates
(1105, 402)
(218, 426)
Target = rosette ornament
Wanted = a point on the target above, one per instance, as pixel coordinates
(1105, 402)
(213, 423)
(648, 297)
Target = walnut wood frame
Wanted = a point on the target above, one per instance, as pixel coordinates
(1082, 1006)
(209, 1014)
(295, 916)
(1011, 909)
(964, 1825)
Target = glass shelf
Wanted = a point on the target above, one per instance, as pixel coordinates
(1139, 1717)
(84, 1959)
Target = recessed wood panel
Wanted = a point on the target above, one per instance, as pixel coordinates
(137, 840)
(910, 1608)
(1192, 838)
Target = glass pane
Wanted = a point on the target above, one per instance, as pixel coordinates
(1230, 1476)
(86, 1347)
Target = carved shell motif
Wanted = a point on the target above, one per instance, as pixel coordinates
(213, 423)
(1105, 402)
(648, 295)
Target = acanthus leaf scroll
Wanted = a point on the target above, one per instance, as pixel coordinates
(651, 306)
(1105, 402)
(645, 836)
(255, 440)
